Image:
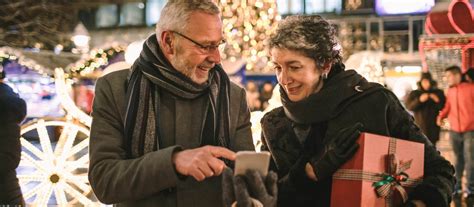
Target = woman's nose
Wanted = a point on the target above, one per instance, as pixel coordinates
(285, 79)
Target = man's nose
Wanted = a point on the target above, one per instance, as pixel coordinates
(214, 56)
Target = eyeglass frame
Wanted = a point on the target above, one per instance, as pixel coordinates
(208, 48)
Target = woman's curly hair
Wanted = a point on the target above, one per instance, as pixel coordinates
(312, 36)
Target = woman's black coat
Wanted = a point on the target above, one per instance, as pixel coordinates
(347, 98)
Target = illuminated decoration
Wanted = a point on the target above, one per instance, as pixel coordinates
(133, 51)
(81, 39)
(97, 58)
(390, 7)
(353, 4)
(63, 86)
(247, 25)
(256, 116)
(9, 54)
(55, 172)
(367, 64)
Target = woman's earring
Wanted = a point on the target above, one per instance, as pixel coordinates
(324, 76)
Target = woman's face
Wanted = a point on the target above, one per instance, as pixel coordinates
(296, 73)
(425, 84)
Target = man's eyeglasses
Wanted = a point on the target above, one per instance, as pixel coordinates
(205, 48)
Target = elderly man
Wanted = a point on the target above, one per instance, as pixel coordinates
(163, 132)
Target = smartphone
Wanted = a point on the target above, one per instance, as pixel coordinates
(258, 161)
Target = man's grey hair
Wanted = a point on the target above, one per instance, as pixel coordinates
(175, 14)
(312, 36)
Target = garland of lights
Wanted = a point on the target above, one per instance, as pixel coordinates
(96, 59)
(8, 54)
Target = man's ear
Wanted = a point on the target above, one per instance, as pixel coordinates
(167, 42)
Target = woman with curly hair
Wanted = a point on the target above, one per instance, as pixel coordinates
(325, 108)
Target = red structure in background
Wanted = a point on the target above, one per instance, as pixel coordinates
(456, 17)
(449, 38)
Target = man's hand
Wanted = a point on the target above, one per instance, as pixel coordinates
(424, 97)
(439, 121)
(202, 162)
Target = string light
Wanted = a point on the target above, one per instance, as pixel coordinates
(247, 24)
(8, 54)
(96, 59)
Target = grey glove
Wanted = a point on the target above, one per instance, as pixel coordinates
(340, 149)
(242, 188)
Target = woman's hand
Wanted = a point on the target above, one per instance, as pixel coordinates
(340, 149)
(414, 203)
(243, 190)
(434, 97)
(310, 172)
(424, 97)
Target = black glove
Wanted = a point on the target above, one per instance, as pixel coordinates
(262, 188)
(339, 149)
(242, 188)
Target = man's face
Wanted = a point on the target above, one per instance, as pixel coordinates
(190, 57)
(453, 78)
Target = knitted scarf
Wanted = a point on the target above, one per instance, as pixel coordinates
(339, 90)
(150, 74)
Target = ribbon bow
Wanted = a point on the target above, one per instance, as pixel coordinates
(393, 179)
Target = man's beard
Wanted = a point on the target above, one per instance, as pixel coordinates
(180, 64)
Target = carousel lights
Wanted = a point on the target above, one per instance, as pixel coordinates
(54, 168)
(68, 104)
(247, 23)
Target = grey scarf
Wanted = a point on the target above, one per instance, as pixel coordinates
(339, 90)
(151, 73)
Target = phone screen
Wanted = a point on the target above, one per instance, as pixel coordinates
(246, 160)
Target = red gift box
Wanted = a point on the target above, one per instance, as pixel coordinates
(381, 173)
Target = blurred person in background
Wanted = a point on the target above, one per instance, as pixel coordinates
(459, 109)
(265, 94)
(469, 75)
(253, 96)
(426, 102)
(12, 113)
